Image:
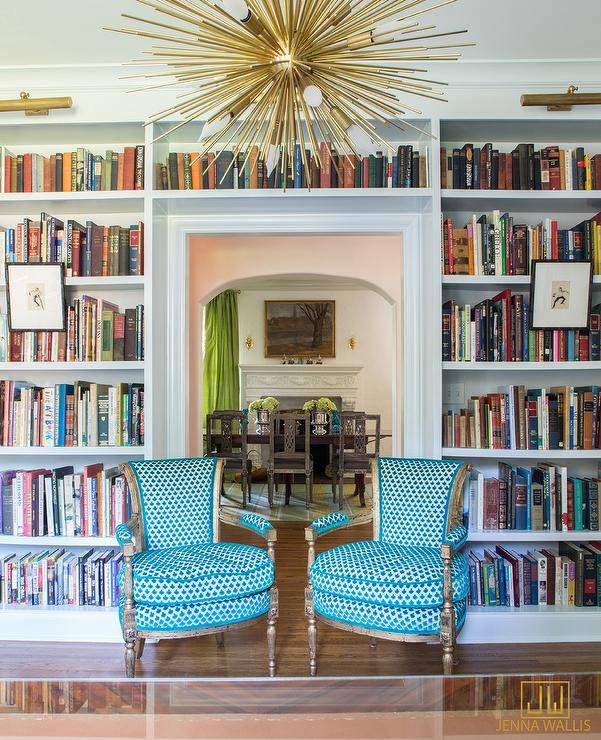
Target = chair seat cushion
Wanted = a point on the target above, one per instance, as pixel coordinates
(194, 574)
(388, 574)
(183, 617)
(404, 620)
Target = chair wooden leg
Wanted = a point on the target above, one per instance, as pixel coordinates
(220, 639)
(288, 479)
(373, 643)
(362, 489)
(244, 486)
(270, 478)
(340, 491)
(272, 616)
(130, 659)
(140, 642)
(447, 615)
(311, 630)
(249, 468)
(308, 497)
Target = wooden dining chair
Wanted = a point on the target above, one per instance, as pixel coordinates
(353, 457)
(227, 439)
(290, 452)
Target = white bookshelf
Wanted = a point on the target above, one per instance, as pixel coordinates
(103, 207)
(162, 210)
(525, 624)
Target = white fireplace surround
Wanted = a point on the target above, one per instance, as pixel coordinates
(301, 381)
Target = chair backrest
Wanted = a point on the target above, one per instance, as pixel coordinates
(355, 435)
(284, 439)
(227, 434)
(177, 499)
(416, 501)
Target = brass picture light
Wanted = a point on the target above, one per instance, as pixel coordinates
(34, 106)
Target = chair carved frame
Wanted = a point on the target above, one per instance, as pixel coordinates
(448, 632)
(135, 639)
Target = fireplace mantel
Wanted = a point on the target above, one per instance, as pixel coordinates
(301, 381)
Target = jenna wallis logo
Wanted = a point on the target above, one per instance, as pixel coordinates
(545, 706)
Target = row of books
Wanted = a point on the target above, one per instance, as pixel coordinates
(516, 418)
(95, 331)
(570, 576)
(86, 251)
(75, 171)
(225, 171)
(497, 330)
(57, 577)
(61, 502)
(80, 415)
(550, 168)
(492, 244)
(538, 498)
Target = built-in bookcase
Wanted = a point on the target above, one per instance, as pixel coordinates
(160, 210)
(460, 380)
(102, 207)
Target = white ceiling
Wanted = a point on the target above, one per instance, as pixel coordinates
(68, 31)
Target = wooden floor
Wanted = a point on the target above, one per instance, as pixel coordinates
(245, 654)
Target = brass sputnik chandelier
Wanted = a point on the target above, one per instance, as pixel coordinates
(274, 74)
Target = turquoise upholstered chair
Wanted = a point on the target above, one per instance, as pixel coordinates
(408, 583)
(178, 578)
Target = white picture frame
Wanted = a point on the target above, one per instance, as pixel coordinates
(35, 296)
(560, 294)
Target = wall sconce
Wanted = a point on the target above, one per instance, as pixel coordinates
(352, 343)
(249, 342)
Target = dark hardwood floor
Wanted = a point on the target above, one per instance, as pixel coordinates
(245, 654)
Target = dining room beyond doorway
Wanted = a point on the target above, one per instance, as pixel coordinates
(312, 353)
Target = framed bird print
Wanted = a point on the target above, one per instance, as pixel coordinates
(35, 296)
(560, 294)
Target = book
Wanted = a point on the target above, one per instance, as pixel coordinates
(80, 170)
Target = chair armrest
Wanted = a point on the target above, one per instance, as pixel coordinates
(126, 533)
(256, 523)
(329, 522)
(456, 537)
(332, 521)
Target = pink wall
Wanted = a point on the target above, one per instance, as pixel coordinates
(219, 262)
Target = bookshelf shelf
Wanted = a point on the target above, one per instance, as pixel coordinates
(58, 541)
(474, 454)
(75, 366)
(511, 535)
(114, 282)
(294, 193)
(60, 624)
(88, 195)
(493, 282)
(87, 202)
(500, 624)
(103, 451)
(561, 201)
(504, 366)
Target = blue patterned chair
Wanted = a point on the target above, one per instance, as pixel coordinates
(409, 582)
(178, 578)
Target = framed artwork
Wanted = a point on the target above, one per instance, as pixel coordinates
(35, 296)
(300, 328)
(560, 294)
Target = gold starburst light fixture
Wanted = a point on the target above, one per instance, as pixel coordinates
(286, 74)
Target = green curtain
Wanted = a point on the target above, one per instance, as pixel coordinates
(221, 379)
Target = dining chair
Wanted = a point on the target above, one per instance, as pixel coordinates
(290, 452)
(410, 581)
(227, 439)
(179, 578)
(352, 456)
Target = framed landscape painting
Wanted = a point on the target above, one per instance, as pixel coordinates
(300, 328)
